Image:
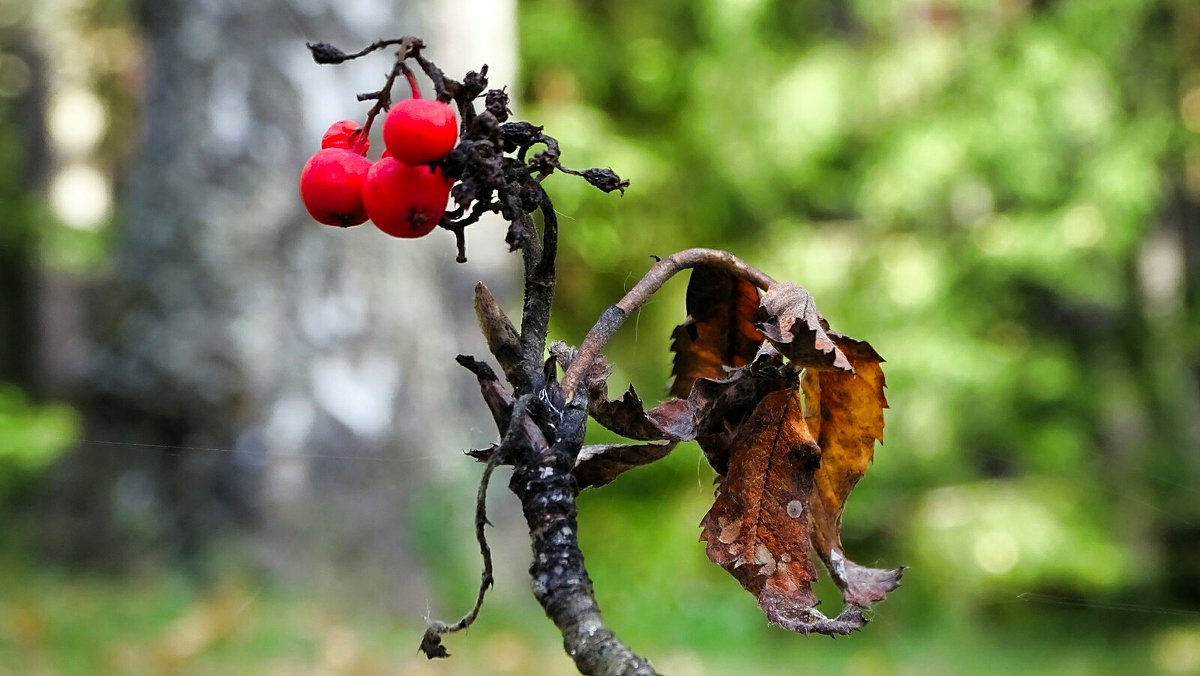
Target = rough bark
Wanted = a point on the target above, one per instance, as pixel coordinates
(543, 457)
(542, 481)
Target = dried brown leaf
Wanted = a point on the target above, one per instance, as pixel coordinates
(599, 464)
(796, 329)
(628, 417)
(721, 405)
(719, 331)
(810, 391)
(675, 418)
(850, 421)
(758, 527)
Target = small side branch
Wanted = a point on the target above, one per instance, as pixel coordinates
(501, 336)
(326, 54)
(650, 283)
(431, 642)
(539, 293)
(517, 436)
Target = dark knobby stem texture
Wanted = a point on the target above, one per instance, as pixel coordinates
(543, 482)
(542, 440)
(541, 435)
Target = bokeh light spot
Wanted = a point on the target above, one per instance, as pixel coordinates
(997, 552)
(80, 196)
(1177, 651)
(1083, 226)
(77, 120)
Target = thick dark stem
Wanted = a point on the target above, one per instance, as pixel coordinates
(539, 290)
(651, 282)
(545, 267)
(542, 481)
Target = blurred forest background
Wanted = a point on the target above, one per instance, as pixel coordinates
(230, 438)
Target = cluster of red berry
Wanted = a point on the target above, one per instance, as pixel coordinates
(401, 193)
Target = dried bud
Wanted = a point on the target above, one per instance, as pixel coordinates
(496, 103)
(475, 82)
(519, 135)
(484, 126)
(325, 53)
(605, 179)
(517, 237)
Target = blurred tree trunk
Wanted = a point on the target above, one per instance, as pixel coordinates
(310, 362)
(1170, 276)
(23, 163)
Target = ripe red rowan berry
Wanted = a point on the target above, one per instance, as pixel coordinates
(404, 200)
(331, 186)
(346, 134)
(418, 131)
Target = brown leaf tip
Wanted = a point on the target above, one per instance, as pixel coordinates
(861, 585)
(793, 325)
(785, 612)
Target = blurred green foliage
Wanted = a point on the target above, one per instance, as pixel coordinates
(31, 437)
(164, 624)
(993, 194)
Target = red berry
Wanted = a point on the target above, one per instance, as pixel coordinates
(346, 134)
(404, 200)
(418, 131)
(331, 186)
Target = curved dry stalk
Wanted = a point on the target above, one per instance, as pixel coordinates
(612, 318)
